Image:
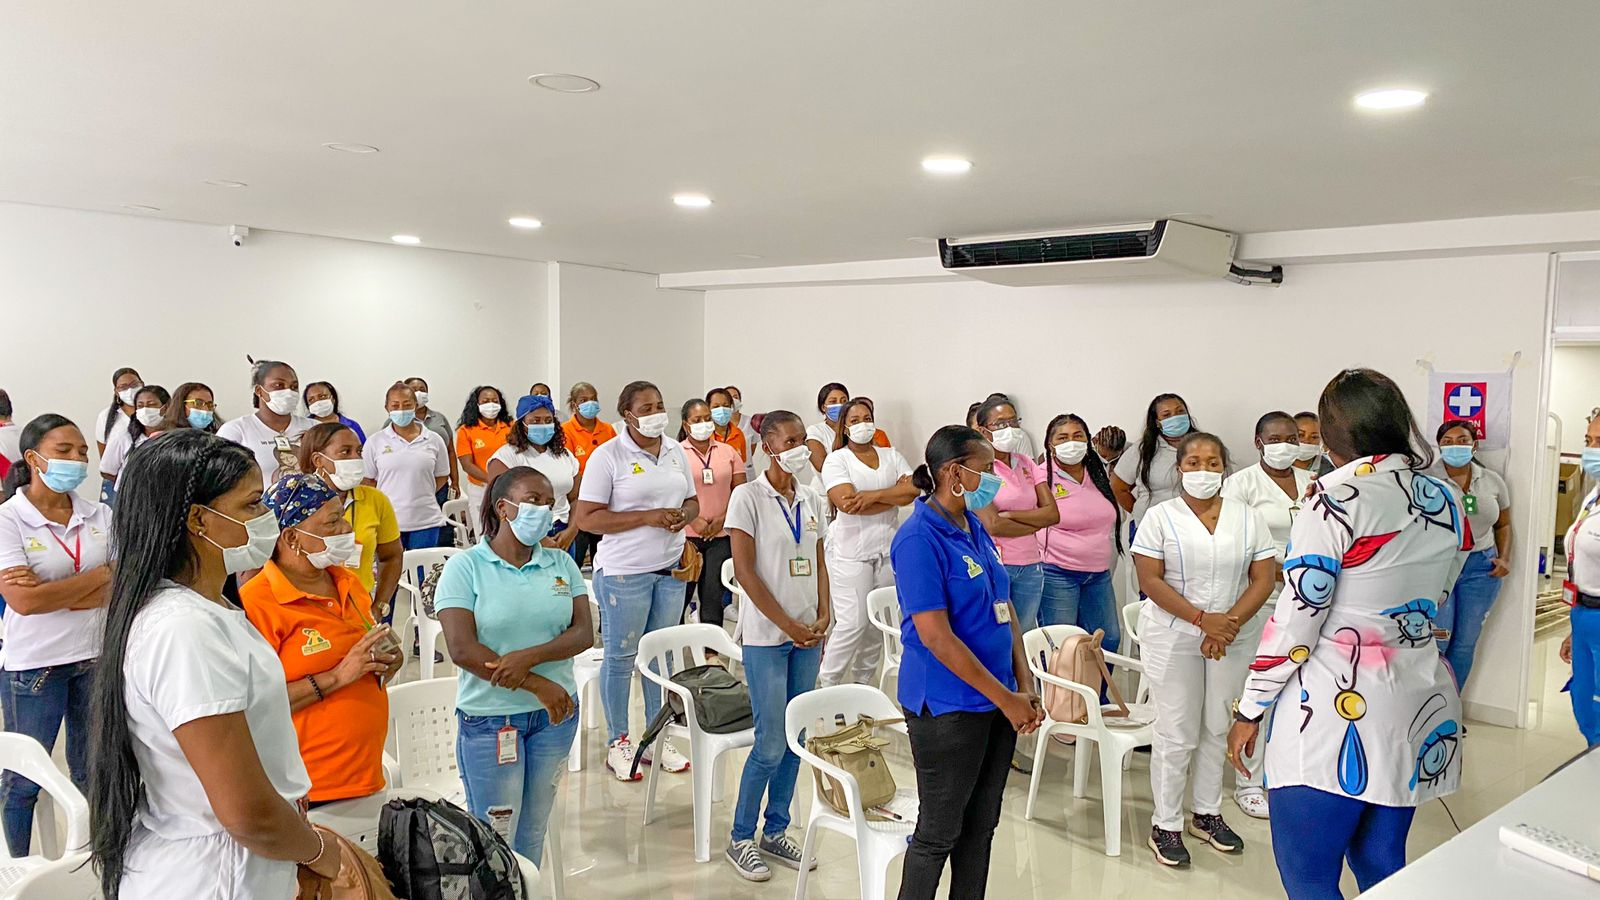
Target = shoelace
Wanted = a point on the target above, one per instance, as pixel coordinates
(784, 846)
(750, 856)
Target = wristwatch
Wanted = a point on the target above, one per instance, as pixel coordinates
(1241, 717)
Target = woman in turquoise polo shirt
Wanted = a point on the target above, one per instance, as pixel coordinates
(964, 680)
(514, 614)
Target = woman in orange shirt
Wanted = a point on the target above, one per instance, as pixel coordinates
(316, 616)
(481, 431)
(726, 431)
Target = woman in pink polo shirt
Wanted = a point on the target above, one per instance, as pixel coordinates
(1020, 511)
(717, 468)
(1079, 549)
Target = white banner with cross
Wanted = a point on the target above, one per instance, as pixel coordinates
(1481, 399)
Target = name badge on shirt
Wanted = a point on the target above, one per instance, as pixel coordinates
(506, 740)
(800, 567)
(1469, 503)
(1002, 613)
(706, 477)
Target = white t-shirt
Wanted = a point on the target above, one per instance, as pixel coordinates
(275, 451)
(1210, 570)
(625, 478)
(27, 538)
(117, 450)
(100, 424)
(187, 659)
(1256, 489)
(11, 442)
(407, 473)
(1489, 495)
(863, 537)
(1164, 477)
(1583, 546)
(757, 509)
(561, 470)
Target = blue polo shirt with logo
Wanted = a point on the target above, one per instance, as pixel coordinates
(939, 566)
(514, 608)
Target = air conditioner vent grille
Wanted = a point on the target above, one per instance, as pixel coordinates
(1066, 248)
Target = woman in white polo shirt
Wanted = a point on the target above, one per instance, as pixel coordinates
(125, 384)
(273, 431)
(638, 491)
(409, 464)
(1143, 479)
(536, 441)
(777, 527)
(53, 574)
(149, 420)
(867, 485)
(1487, 502)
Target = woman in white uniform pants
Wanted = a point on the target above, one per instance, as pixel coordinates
(1143, 479)
(1207, 565)
(866, 485)
(1274, 488)
(195, 772)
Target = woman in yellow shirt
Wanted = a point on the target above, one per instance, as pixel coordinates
(332, 451)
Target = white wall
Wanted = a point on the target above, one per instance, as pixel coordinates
(924, 352)
(84, 293)
(1574, 390)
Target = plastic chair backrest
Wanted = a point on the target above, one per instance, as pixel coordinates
(69, 878)
(27, 757)
(422, 734)
(678, 647)
(458, 512)
(1130, 621)
(729, 581)
(883, 610)
(824, 708)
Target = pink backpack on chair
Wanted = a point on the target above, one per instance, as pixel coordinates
(1079, 659)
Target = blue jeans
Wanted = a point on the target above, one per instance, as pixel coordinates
(1314, 832)
(1464, 611)
(1027, 586)
(35, 702)
(421, 539)
(1586, 672)
(514, 798)
(631, 606)
(776, 675)
(1084, 599)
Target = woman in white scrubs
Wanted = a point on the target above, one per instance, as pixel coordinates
(1207, 565)
(1274, 488)
(1143, 479)
(822, 436)
(196, 785)
(867, 485)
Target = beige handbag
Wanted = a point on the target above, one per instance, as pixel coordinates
(857, 751)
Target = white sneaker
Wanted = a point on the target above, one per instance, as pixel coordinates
(619, 759)
(671, 760)
(1252, 801)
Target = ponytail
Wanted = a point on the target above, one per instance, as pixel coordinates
(922, 479)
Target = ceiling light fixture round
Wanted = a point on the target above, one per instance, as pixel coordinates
(946, 165)
(524, 222)
(227, 184)
(563, 83)
(405, 239)
(140, 207)
(351, 148)
(1391, 98)
(691, 201)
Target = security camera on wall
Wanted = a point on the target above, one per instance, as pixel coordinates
(237, 234)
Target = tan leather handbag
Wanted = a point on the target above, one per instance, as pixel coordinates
(360, 876)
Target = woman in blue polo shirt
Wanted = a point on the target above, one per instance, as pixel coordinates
(964, 680)
(514, 614)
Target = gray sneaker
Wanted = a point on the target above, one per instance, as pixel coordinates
(780, 848)
(747, 861)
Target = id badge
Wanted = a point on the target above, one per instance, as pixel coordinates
(1469, 503)
(1569, 593)
(800, 567)
(706, 477)
(507, 739)
(1002, 613)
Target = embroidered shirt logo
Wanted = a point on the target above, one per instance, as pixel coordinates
(973, 569)
(636, 469)
(33, 545)
(561, 588)
(315, 642)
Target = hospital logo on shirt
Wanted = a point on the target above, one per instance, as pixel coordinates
(388, 449)
(811, 524)
(636, 468)
(315, 642)
(1061, 491)
(33, 545)
(561, 588)
(973, 569)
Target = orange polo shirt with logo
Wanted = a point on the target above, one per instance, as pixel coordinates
(582, 441)
(734, 439)
(341, 737)
(480, 442)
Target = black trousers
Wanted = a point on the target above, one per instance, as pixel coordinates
(962, 759)
(714, 552)
(583, 545)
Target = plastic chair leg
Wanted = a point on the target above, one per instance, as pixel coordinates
(719, 768)
(702, 776)
(650, 787)
(1080, 765)
(1039, 753)
(553, 862)
(874, 873)
(575, 755)
(1111, 796)
(808, 851)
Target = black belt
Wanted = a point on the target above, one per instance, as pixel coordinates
(1588, 601)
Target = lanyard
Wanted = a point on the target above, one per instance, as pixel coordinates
(75, 554)
(705, 461)
(794, 526)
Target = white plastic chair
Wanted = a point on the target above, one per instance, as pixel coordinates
(1113, 738)
(664, 649)
(878, 844)
(429, 631)
(459, 514)
(27, 757)
(883, 611)
(586, 667)
(731, 582)
(69, 878)
(1130, 629)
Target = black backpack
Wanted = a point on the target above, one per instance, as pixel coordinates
(435, 850)
(721, 706)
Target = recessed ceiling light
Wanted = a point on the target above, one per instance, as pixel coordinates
(140, 207)
(1391, 98)
(405, 239)
(226, 184)
(351, 148)
(946, 165)
(524, 222)
(691, 201)
(563, 83)
(1586, 180)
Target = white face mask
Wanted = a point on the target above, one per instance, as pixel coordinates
(322, 408)
(261, 537)
(337, 550)
(283, 402)
(653, 425)
(1280, 456)
(737, 404)
(422, 398)
(1202, 485)
(1007, 440)
(793, 460)
(863, 432)
(149, 416)
(127, 394)
(1307, 452)
(1070, 453)
(489, 410)
(701, 430)
(347, 473)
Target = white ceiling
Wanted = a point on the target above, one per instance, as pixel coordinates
(804, 121)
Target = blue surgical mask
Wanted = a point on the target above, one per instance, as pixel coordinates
(1456, 455)
(201, 418)
(722, 415)
(63, 475)
(532, 523)
(402, 417)
(984, 493)
(589, 409)
(1591, 462)
(540, 433)
(833, 411)
(1175, 426)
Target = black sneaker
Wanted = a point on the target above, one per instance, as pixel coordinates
(1169, 848)
(1216, 832)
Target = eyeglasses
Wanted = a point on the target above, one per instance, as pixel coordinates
(1005, 423)
(200, 404)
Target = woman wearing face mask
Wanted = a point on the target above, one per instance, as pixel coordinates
(322, 401)
(1581, 649)
(822, 436)
(1207, 565)
(539, 443)
(149, 421)
(742, 422)
(53, 573)
(514, 614)
(1080, 549)
(717, 469)
(1150, 476)
(1275, 489)
(584, 433)
(482, 430)
(1487, 502)
(409, 464)
(336, 658)
(334, 454)
(125, 384)
(1020, 511)
(272, 433)
(435, 421)
(964, 681)
(866, 485)
(193, 405)
(726, 432)
(1310, 456)
(640, 494)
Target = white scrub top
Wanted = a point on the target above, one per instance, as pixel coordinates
(1256, 489)
(11, 442)
(561, 470)
(625, 478)
(1490, 496)
(117, 450)
(187, 659)
(1210, 570)
(407, 473)
(27, 538)
(863, 537)
(121, 424)
(276, 452)
(757, 509)
(1583, 546)
(1164, 477)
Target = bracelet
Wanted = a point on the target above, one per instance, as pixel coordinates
(1196, 623)
(322, 847)
(316, 687)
